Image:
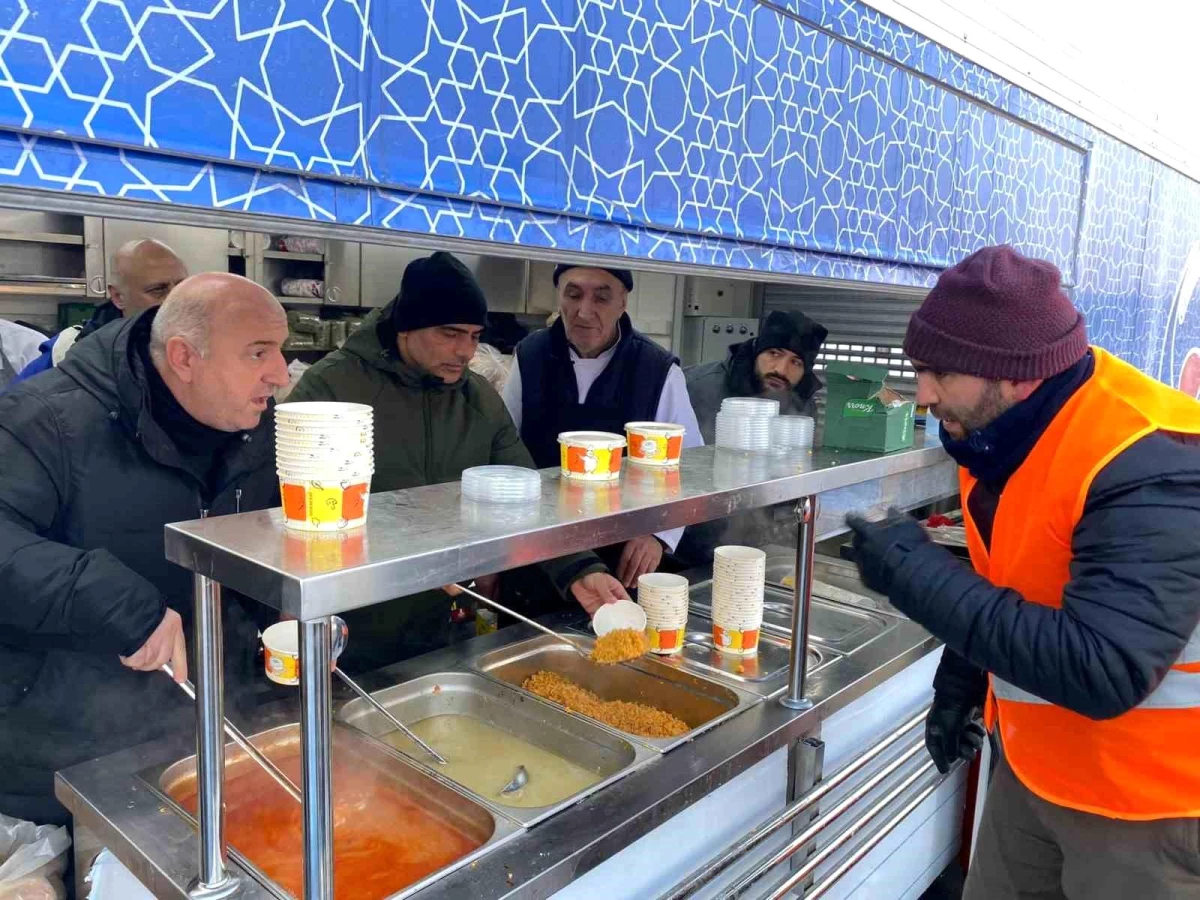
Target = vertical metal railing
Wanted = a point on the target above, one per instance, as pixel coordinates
(806, 531)
(214, 879)
(316, 661)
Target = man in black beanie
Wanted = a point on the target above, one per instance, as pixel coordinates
(776, 364)
(434, 418)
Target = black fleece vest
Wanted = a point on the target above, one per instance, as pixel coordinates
(628, 390)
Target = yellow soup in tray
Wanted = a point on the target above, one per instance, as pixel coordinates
(484, 758)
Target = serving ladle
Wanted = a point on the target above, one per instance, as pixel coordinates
(561, 638)
(341, 638)
(519, 780)
(241, 740)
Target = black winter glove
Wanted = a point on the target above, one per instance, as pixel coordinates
(953, 731)
(881, 547)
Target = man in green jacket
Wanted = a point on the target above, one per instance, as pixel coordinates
(434, 417)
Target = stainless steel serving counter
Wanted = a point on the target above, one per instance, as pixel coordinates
(427, 537)
(115, 807)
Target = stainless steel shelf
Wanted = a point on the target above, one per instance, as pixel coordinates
(42, 237)
(42, 287)
(298, 257)
(427, 537)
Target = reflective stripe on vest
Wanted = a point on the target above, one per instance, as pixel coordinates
(1178, 690)
(1144, 763)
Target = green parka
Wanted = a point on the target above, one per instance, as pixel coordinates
(426, 432)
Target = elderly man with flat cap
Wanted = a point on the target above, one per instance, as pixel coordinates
(592, 371)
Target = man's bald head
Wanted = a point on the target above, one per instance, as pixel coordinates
(216, 341)
(144, 272)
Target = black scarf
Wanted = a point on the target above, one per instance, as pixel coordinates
(201, 447)
(994, 452)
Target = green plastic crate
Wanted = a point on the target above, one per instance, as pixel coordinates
(856, 418)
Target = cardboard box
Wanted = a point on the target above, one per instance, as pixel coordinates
(862, 412)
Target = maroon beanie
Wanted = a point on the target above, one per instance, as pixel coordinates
(998, 314)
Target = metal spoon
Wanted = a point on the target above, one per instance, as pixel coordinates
(519, 780)
(582, 651)
(240, 739)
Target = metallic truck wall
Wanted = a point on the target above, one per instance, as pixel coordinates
(807, 136)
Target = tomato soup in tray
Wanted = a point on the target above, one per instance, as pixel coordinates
(393, 825)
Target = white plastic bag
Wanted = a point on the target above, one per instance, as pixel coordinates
(296, 370)
(492, 365)
(110, 880)
(32, 860)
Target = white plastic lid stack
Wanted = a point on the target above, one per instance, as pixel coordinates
(791, 433)
(741, 432)
(750, 406)
(501, 484)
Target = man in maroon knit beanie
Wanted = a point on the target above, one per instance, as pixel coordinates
(1080, 488)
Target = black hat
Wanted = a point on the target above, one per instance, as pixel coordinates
(622, 275)
(792, 331)
(438, 290)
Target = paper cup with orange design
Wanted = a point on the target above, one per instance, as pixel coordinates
(591, 455)
(741, 641)
(654, 443)
(664, 597)
(281, 649)
(315, 502)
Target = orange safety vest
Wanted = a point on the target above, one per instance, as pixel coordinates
(1145, 763)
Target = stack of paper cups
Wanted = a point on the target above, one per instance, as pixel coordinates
(739, 577)
(664, 597)
(325, 457)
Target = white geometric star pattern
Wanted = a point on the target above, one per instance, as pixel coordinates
(808, 136)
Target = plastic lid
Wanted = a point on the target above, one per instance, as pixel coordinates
(597, 440)
(750, 406)
(668, 428)
(501, 484)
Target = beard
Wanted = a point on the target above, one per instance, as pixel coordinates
(990, 407)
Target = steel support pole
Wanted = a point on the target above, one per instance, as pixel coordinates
(316, 739)
(806, 532)
(214, 879)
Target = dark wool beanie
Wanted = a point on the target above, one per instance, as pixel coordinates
(438, 290)
(792, 331)
(622, 275)
(998, 314)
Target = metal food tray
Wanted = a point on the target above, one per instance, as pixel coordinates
(769, 664)
(698, 701)
(467, 694)
(831, 624)
(449, 803)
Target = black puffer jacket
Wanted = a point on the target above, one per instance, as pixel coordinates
(708, 385)
(88, 481)
(1133, 599)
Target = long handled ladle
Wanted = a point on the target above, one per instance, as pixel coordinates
(382, 710)
(240, 739)
(583, 651)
